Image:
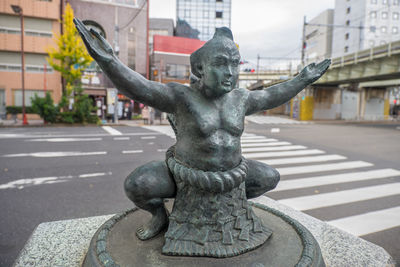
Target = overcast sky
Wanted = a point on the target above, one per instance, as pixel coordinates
(271, 28)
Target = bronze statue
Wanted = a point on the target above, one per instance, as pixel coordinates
(204, 171)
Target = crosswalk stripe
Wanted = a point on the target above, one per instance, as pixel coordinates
(302, 160)
(282, 154)
(370, 222)
(266, 144)
(336, 179)
(342, 197)
(252, 137)
(111, 130)
(324, 167)
(263, 140)
(276, 148)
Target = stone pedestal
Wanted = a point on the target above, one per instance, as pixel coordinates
(65, 243)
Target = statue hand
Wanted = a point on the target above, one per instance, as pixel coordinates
(96, 45)
(313, 72)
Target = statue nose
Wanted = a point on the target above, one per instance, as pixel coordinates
(228, 71)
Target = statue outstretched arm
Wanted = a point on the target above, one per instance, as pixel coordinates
(129, 82)
(278, 94)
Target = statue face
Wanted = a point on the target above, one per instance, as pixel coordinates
(220, 71)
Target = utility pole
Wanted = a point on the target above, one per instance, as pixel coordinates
(116, 49)
(147, 43)
(303, 43)
(18, 10)
(258, 65)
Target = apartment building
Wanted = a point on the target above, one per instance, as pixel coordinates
(368, 23)
(41, 22)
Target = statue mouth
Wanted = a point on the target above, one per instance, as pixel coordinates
(227, 83)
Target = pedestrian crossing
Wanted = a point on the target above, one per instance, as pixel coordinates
(273, 120)
(303, 170)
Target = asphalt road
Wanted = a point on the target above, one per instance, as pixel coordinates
(58, 173)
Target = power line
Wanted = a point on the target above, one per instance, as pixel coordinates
(134, 17)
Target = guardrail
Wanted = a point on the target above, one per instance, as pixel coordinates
(381, 51)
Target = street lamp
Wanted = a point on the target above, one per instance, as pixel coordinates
(18, 10)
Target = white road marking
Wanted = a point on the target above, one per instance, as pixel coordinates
(64, 139)
(131, 151)
(342, 197)
(167, 130)
(370, 222)
(266, 144)
(22, 183)
(266, 149)
(55, 154)
(262, 140)
(121, 138)
(111, 130)
(147, 137)
(161, 150)
(324, 167)
(336, 179)
(253, 137)
(97, 174)
(275, 130)
(9, 136)
(302, 160)
(283, 154)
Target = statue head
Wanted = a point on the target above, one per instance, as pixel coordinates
(216, 63)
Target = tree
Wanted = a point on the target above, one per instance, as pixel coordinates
(70, 57)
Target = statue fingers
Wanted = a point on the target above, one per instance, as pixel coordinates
(106, 46)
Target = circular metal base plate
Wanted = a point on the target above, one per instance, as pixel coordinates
(115, 244)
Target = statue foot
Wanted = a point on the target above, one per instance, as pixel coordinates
(156, 224)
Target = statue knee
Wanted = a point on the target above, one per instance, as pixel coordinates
(134, 187)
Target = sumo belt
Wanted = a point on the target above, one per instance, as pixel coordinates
(216, 182)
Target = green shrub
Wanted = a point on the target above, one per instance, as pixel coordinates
(44, 106)
(66, 117)
(18, 110)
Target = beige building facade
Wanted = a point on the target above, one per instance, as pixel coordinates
(41, 22)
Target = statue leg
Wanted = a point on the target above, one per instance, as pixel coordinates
(147, 186)
(260, 179)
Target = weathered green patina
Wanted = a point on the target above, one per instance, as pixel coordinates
(204, 171)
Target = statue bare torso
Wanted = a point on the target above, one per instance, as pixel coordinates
(212, 129)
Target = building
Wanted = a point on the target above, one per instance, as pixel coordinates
(171, 58)
(318, 39)
(199, 18)
(160, 27)
(41, 21)
(123, 23)
(367, 23)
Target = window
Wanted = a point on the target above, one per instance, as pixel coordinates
(384, 2)
(383, 29)
(372, 14)
(346, 49)
(384, 15)
(175, 71)
(348, 23)
(395, 16)
(382, 42)
(374, 2)
(346, 36)
(187, 13)
(348, 10)
(396, 2)
(395, 30)
(132, 48)
(17, 96)
(205, 13)
(218, 1)
(218, 14)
